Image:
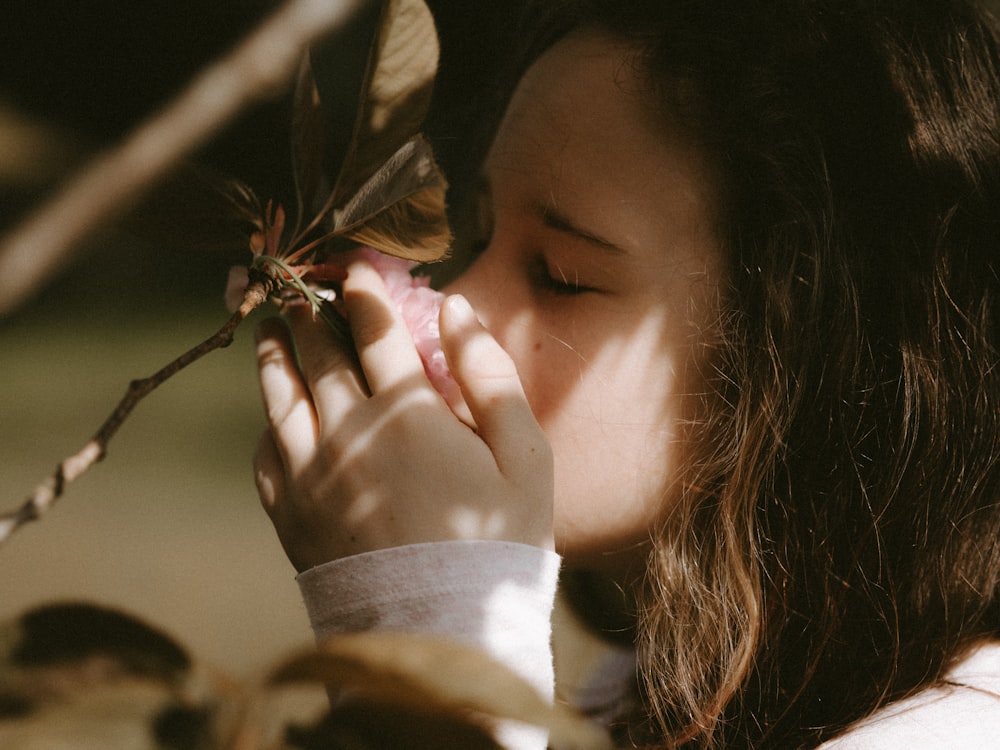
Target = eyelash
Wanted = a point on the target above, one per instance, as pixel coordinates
(540, 273)
(558, 285)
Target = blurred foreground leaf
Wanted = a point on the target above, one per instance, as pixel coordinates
(83, 676)
(438, 678)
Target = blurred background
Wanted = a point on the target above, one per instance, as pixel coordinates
(168, 526)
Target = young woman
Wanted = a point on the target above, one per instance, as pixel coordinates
(733, 357)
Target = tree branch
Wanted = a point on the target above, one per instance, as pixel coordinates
(257, 68)
(48, 492)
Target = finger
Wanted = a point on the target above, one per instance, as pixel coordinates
(329, 366)
(452, 394)
(383, 342)
(268, 472)
(287, 403)
(492, 390)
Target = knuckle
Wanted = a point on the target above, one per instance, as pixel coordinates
(280, 414)
(318, 361)
(269, 353)
(496, 375)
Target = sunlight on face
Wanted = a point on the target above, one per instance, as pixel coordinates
(599, 273)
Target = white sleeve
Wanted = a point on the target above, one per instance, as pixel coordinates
(497, 596)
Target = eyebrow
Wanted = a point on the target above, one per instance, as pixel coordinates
(553, 219)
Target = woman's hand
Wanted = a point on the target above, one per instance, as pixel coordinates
(363, 454)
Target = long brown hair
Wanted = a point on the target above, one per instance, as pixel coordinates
(836, 543)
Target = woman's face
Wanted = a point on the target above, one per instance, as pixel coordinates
(598, 277)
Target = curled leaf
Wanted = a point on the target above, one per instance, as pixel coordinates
(328, 98)
(364, 725)
(389, 192)
(309, 139)
(400, 210)
(438, 677)
(396, 95)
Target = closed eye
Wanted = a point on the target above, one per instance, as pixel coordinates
(552, 279)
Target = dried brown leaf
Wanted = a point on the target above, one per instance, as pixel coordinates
(308, 141)
(365, 725)
(85, 676)
(437, 676)
(389, 193)
(396, 94)
(400, 210)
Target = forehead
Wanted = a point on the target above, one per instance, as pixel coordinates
(583, 135)
(579, 94)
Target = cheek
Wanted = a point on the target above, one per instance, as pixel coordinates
(610, 421)
(589, 376)
(555, 360)
(611, 472)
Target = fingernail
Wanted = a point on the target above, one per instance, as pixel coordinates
(460, 308)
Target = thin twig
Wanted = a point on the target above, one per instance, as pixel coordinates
(46, 493)
(256, 69)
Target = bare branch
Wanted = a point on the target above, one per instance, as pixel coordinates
(46, 493)
(256, 69)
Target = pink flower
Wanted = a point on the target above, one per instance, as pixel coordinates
(419, 305)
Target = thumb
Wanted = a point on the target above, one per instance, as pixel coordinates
(492, 390)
